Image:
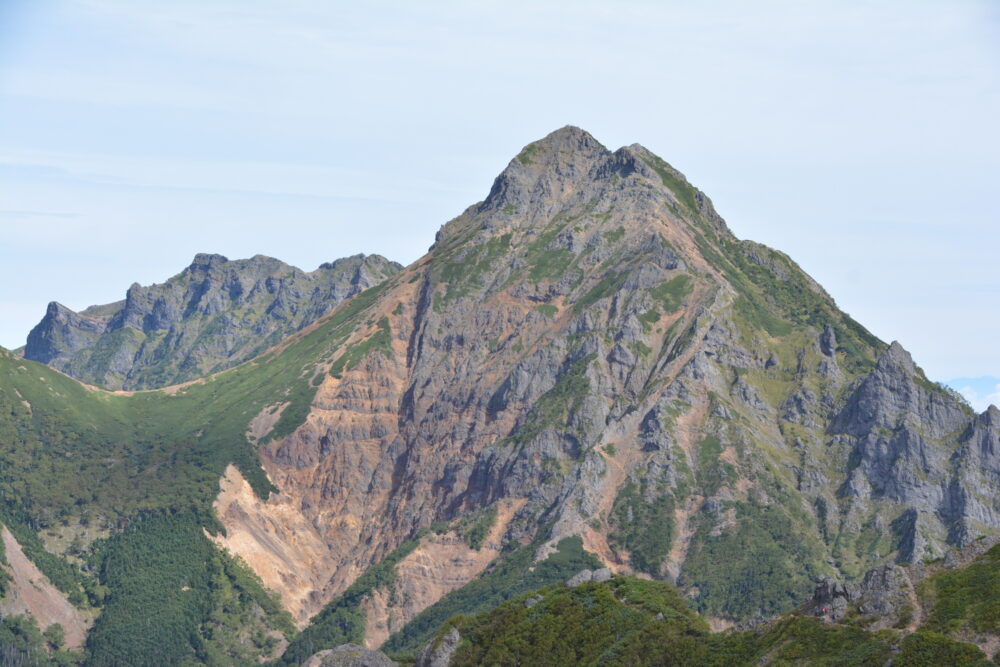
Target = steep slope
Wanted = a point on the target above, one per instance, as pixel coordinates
(213, 315)
(592, 343)
(30, 593)
(586, 368)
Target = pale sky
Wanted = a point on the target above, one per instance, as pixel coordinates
(859, 137)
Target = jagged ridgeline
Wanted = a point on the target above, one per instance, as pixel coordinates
(586, 369)
(211, 316)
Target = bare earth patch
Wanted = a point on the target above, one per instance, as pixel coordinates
(439, 565)
(277, 542)
(31, 593)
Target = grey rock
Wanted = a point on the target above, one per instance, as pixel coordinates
(828, 341)
(494, 399)
(581, 577)
(601, 575)
(885, 594)
(898, 425)
(831, 598)
(215, 314)
(438, 652)
(801, 408)
(349, 655)
(885, 598)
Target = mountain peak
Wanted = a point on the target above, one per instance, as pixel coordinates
(546, 169)
(564, 147)
(203, 258)
(569, 136)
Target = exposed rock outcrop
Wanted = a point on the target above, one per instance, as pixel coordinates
(279, 543)
(438, 652)
(586, 576)
(588, 360)
(887, 595)
(593, 342)
(349, 655)
(903, 431)
(214, 314)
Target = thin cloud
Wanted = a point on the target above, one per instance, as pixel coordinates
(979, 392)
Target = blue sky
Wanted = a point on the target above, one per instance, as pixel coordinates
(860, 138)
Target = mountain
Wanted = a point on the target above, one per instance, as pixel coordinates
(213, 315)
(586, 370)
(590, 352)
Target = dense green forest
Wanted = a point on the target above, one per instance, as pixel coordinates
(174, 597)
(23, 644)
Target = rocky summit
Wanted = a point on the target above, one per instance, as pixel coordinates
(212, 315)
(587, 373)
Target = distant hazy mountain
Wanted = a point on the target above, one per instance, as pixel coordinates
(212, 315)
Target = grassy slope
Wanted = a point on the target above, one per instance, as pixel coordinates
(70, 447)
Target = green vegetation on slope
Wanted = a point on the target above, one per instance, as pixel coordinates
(643, 527)
(79, 587)
(628, 621)
(760, 567)
(554, 406)
(150, 463)
(775, 293)
(475, 531)
(465, 269)
(511, 574)
(686, 193)
(22, 643)
(570, 626)
(4, 575)
(380, 341)
(608, 285)
(967, 599)
(342, 620)
(670, 294)
(69, 448)
(174, 597)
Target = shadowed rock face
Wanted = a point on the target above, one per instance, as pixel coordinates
(917, 446)
(592, 345)
(214, 314)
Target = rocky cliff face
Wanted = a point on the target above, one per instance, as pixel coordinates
(916, 446)
(214, 314)
(586, 360)
(592, 346)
